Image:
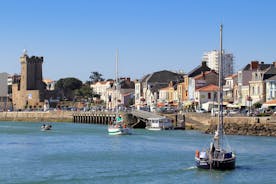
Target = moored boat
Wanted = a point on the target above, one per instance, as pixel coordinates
(159, 124)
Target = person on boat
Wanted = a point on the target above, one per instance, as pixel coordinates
(119, 118)
(43, 126)
(197, 153)
(212, 149)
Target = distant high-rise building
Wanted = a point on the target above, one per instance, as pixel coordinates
(212, 60)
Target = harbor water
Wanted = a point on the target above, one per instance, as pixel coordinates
(85, 153)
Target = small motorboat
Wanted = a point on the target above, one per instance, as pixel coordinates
(46, 127)
(118, 127)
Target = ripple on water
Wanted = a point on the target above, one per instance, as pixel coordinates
(84, 153)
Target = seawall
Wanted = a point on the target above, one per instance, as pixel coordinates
(260, 126)
(50, 116)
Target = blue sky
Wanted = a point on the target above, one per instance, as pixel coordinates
(77, 37)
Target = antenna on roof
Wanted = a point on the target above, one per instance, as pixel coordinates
(25, 52)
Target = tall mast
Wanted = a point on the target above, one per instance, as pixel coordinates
(220, 99)
(116, 72)
(116, 80)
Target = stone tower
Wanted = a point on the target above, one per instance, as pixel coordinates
(30, 91)
(31, 72)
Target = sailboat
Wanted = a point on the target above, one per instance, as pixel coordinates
(217, 156)
(118, 126)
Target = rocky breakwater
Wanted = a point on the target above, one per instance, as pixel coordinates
(258, 126)
(197, 121)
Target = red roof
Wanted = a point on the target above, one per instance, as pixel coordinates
(271, 102)
(205, 73)
(210, 87)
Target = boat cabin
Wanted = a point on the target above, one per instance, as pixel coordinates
(159, 124)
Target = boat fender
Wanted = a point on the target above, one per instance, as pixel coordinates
(197, 153)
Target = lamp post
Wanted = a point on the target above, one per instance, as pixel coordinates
(249, 102)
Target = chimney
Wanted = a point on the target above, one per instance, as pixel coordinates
(204, 63)
(274, 64)
(171, 84)
(254, 65)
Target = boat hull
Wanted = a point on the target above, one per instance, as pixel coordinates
(45, 128)
(228, 164)
(154, 128)
(157, 128)
(119, 131)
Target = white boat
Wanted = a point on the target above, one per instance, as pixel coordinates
(159, 124)
(119, 130)
(118, 127)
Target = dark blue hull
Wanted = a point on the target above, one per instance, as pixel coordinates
(228, 164)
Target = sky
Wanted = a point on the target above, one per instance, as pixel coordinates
(77, 37)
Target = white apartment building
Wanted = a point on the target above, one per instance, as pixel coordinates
(212, 59)
(101, 87)
(50, 84)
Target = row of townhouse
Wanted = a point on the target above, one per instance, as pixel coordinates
(162, 88)
(169, 88)
(256, 82)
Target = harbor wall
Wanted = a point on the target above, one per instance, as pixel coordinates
(51, 116)
(259, 126)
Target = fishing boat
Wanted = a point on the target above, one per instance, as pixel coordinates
(159, 124)
(118, 126)
(218, 156)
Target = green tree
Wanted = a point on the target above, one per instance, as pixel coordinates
(257, 105)
(84, 92)
(95, 77)
(68, 85)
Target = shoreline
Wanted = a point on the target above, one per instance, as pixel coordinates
(50, 116)
(256, 126)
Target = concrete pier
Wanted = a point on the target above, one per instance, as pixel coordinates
(93, 118)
